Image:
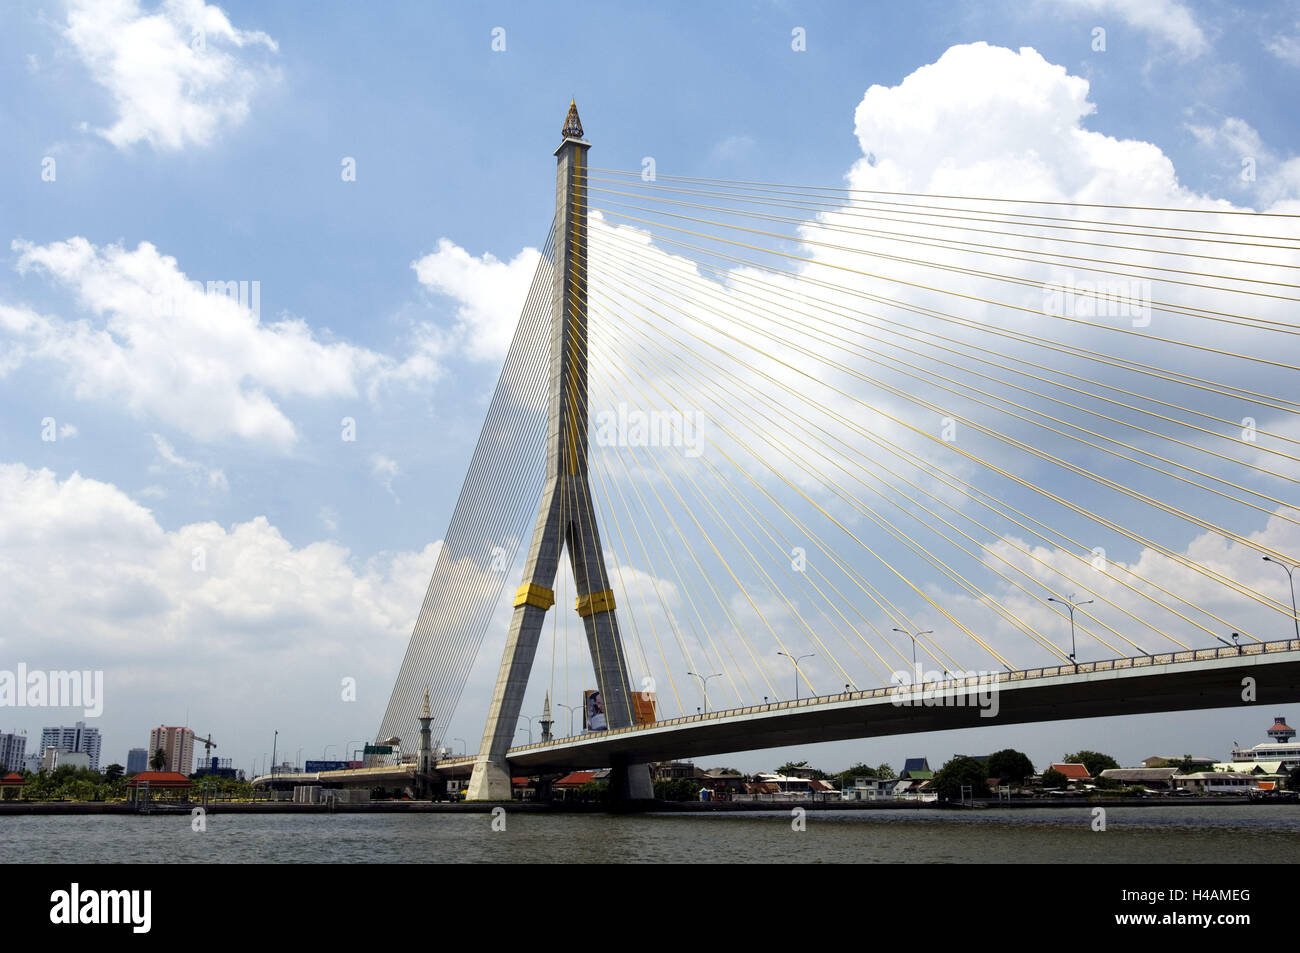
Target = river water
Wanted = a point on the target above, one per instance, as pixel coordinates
(1182, 835)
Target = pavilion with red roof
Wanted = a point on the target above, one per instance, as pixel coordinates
(165, 783)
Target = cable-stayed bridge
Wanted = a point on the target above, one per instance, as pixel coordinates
(816, 463)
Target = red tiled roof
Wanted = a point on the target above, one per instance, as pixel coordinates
(575, 779)
(12, 778)
(161, 779)
(1075, 772)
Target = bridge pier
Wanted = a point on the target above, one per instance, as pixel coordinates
(489, 782)
(629, 782)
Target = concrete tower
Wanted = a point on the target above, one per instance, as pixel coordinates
(424, 758)
(566, 518)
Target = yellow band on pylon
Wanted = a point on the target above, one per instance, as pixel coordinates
(592, 603)
(531, 594)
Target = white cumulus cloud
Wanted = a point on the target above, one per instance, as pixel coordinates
(177, 75)
(490, 292)
(194, 355)
(234, 615)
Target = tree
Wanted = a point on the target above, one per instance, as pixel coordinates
(885, 772)
(1094, 761)
(158, 760)
(1054, 779)
(677, 789)
(846, 776)
(113, 772)
(958, 773)
(790, 767)
(591, 792)
(1010, 765)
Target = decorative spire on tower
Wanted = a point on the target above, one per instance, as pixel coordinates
(545, 721)
(572, 124)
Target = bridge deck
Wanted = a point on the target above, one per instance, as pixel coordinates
(1182, 681)
(1176, 681)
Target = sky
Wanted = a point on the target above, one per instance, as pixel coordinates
(202, 529)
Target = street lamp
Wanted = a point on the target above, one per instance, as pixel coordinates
(325, 751)
(704, 686)
(914, 637)
(462, 745)
(297, 760)
(570, 710)
(1233, 644)
(1290, 576)
(274, 742)
(796, 670)
(529, 726)
(1072, 606)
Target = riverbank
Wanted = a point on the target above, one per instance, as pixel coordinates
(18, 808)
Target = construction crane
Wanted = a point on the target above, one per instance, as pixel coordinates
(208, 745)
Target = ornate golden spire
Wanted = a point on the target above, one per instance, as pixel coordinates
(572, 124)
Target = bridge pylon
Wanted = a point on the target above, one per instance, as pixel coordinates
(566, 518)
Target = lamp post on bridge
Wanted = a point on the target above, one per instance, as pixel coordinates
(570, 709)
(462, 745)
(704, 686)
(1233, 644)
(796, 662)
(914, 638)
(1291, 576)
(1072, 606)
(528, 727)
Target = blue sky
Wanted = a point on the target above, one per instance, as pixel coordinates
(451, 140)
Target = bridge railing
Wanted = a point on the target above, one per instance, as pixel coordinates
(973, 681)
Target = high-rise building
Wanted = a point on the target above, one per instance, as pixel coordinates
(137, 760)
(62, 757)
(177, 746)
(78, 739)
(12, 747)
